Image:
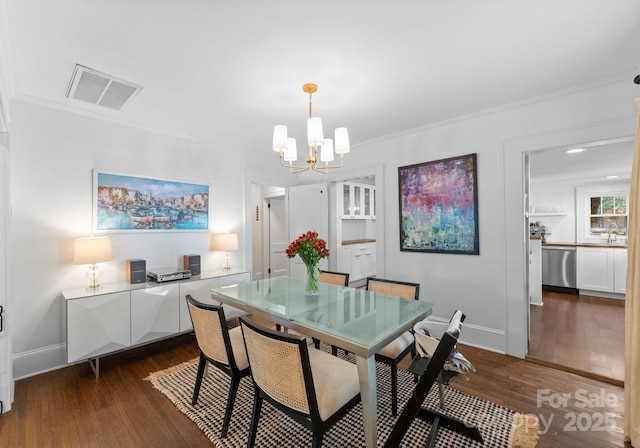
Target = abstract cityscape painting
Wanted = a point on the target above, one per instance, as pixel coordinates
(131, 203)
(439, 206)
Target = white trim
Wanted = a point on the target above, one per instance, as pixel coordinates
(41, 360)
(502, 108)
(516, 236)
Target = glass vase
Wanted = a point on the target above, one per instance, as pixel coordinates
(312, 280)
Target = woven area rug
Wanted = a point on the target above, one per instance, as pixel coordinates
(499, 426)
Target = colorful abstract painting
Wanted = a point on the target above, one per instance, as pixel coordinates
(439, 206)
(130, 203)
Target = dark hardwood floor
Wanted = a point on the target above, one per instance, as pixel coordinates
(71, 408)
(581, 334)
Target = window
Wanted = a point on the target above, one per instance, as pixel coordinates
(608, 212)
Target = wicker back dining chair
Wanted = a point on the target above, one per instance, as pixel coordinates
(334, 278)
(309, 385)
(392, 353)
(220, 346)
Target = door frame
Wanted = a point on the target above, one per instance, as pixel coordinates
(516, 236)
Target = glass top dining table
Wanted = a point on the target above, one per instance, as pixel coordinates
(356, 320)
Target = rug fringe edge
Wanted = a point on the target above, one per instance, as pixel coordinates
(525, 431)
(173, 369)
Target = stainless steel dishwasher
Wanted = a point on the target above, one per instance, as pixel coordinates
(559, 266)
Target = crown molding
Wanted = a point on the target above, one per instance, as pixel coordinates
(536, 99)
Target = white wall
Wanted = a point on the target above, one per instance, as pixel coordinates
(52, 157)
(491, 288)
(560, 195)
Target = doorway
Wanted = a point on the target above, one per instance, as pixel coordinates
(269, 231)
(277, 236)
(575, 332)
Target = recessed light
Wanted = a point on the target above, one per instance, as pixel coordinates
(611, 177)
(575, 150)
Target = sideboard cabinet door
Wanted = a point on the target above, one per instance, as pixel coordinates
(155, 313)
(97, 325)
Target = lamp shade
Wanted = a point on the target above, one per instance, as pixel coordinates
(291, 154)
(92, 250)
(224, 241)
(314, 131)
(326, 152)
(279, 138)
(342, 141)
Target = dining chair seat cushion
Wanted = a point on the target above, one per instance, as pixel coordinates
(335, 381)
(398, 345)
(239, 351)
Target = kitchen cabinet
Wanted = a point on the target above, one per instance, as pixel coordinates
(356, 200)
(602, 269)
(121, 315)
(620, 271)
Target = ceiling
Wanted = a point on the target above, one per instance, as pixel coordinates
(595, 164)
(226, 71)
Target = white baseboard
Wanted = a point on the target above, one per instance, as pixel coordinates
(606, 295)
(35, 362)
(480, 337)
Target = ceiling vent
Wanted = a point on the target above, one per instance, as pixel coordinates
(99, 88)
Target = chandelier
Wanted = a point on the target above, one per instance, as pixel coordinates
(286, 146)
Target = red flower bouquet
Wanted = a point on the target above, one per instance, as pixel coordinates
(311, 250)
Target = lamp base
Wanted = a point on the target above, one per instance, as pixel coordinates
(227, 261)
(93, 275)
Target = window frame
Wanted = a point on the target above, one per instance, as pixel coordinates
(583, 207)
(622, 230)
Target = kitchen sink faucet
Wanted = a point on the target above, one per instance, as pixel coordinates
(611, 239)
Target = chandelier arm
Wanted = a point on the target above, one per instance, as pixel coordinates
(325, 169)
(290, 165)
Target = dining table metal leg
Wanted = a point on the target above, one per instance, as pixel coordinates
(367, 377)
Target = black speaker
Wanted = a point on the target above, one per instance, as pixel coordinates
(136, 271)
(192, 262)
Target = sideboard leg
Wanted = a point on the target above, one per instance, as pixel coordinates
(95, 366)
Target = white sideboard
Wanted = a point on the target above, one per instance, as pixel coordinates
(121, 315)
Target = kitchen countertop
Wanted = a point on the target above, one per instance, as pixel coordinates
(615, 246)
(347, 242)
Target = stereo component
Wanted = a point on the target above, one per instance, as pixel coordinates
(136, 271)
(192, 263)
(168, 274)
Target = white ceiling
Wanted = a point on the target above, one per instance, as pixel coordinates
(592, 165)
(228, 70)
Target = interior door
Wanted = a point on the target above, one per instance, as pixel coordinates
(528, 250)
(6, 366)
(278, 237)
(308, 210)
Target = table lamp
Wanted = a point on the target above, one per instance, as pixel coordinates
(91, 251)
(225, 242)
